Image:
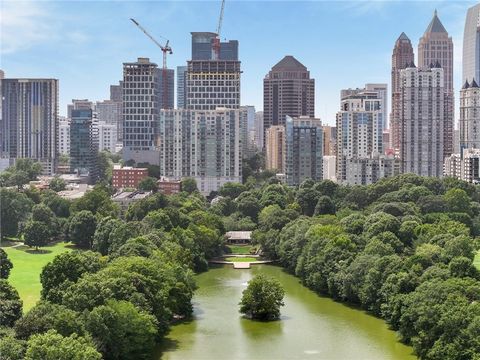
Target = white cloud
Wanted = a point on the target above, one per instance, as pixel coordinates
(23, 24)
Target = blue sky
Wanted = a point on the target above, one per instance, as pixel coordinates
(343, 43)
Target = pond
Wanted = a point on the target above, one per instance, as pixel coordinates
(311, 327)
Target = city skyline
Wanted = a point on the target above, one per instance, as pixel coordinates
(326, 25)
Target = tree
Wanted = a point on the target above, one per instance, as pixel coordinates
(59, 205)
(262, 298)
(82, 228)
(46, 316)
(57, 184)
(15, 208)
(457, 200)
(12, 348)
(121, 331)
(53, 346)
(232, 189)
(101, 238)
(148, 184)
(307, 198)
(36, 234)
(10, 304)
(43, 214)
(65, 269)
(5, 265)
(189, 185)
(325, 206)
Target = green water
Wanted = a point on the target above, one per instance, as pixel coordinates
(311, 327)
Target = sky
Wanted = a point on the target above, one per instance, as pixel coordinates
(344, 44)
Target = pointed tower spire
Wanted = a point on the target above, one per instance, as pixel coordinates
(435, 25)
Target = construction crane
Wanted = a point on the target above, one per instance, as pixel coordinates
(216, 41)
(166, 50)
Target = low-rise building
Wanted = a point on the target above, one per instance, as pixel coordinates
(127, 176)
(168, 186)
(125, 198)
(238, 237)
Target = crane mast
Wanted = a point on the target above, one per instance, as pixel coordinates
(166, 50)
(216, 41)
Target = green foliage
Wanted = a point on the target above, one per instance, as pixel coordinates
(81, 229)
(325, 206)
(59, 206)
(21, 173)
(66, 269)
(57, 184)
(15, 208)
(53, 346)
(5, 265)
(12, 348)
(148, 184)
(232, 190)
(189, 185)
(46, 316)
(262, 298)
(139, 209)
(10, 304)
(36, 234)
(121, 331)
(97, 201)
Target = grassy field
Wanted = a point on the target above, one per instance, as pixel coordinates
(27, 266)
(240, 249)
(476, 261)
(241, 259)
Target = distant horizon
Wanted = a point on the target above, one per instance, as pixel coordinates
(84, 44)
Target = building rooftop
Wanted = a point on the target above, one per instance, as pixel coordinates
(238, 235)
(288, 63)
(131, 195)
(435, 25)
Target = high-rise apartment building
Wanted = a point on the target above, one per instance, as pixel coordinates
(435, 49)
(471, 45)
(181, 86)
(258, 140)
(469, 123)
(107, 136)
(212, 83)
(64, 136)
(29, 126)
(329, 167)
(424, 121)
(360, 122)
(141, 106)
(329, 140)
(465, 167)
(110, 113)
(304, 150)
(79, 104)
(287, 90)
(275, 148)
(248, 139)
(372, 91)
(166, 91)
(402, 58)
(204, 145)
(83, 144)
(116, 92)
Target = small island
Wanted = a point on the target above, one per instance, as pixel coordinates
(262, 299)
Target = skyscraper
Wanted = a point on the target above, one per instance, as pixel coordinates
(304, 150)
(275, 151)
(30, 121)
(141, 106)
(469, 124)
(360, 157)
(79, 104)
(212, 83)
(287, 90)
(116, 96)
(424, 121)
(471, 45)
(181, 86)
(204, 145)
(166, 91)
(402, 57)
(83, 144)
(435, 48)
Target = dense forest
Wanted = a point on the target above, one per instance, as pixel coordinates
(402, 249)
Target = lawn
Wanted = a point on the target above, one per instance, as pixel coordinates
(240, 249)
(476, 261)
(27, 266)
(241, 259)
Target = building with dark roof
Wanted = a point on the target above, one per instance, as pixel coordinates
(287, 90)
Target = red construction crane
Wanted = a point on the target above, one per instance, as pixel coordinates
(166, 50)
(216, 41)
